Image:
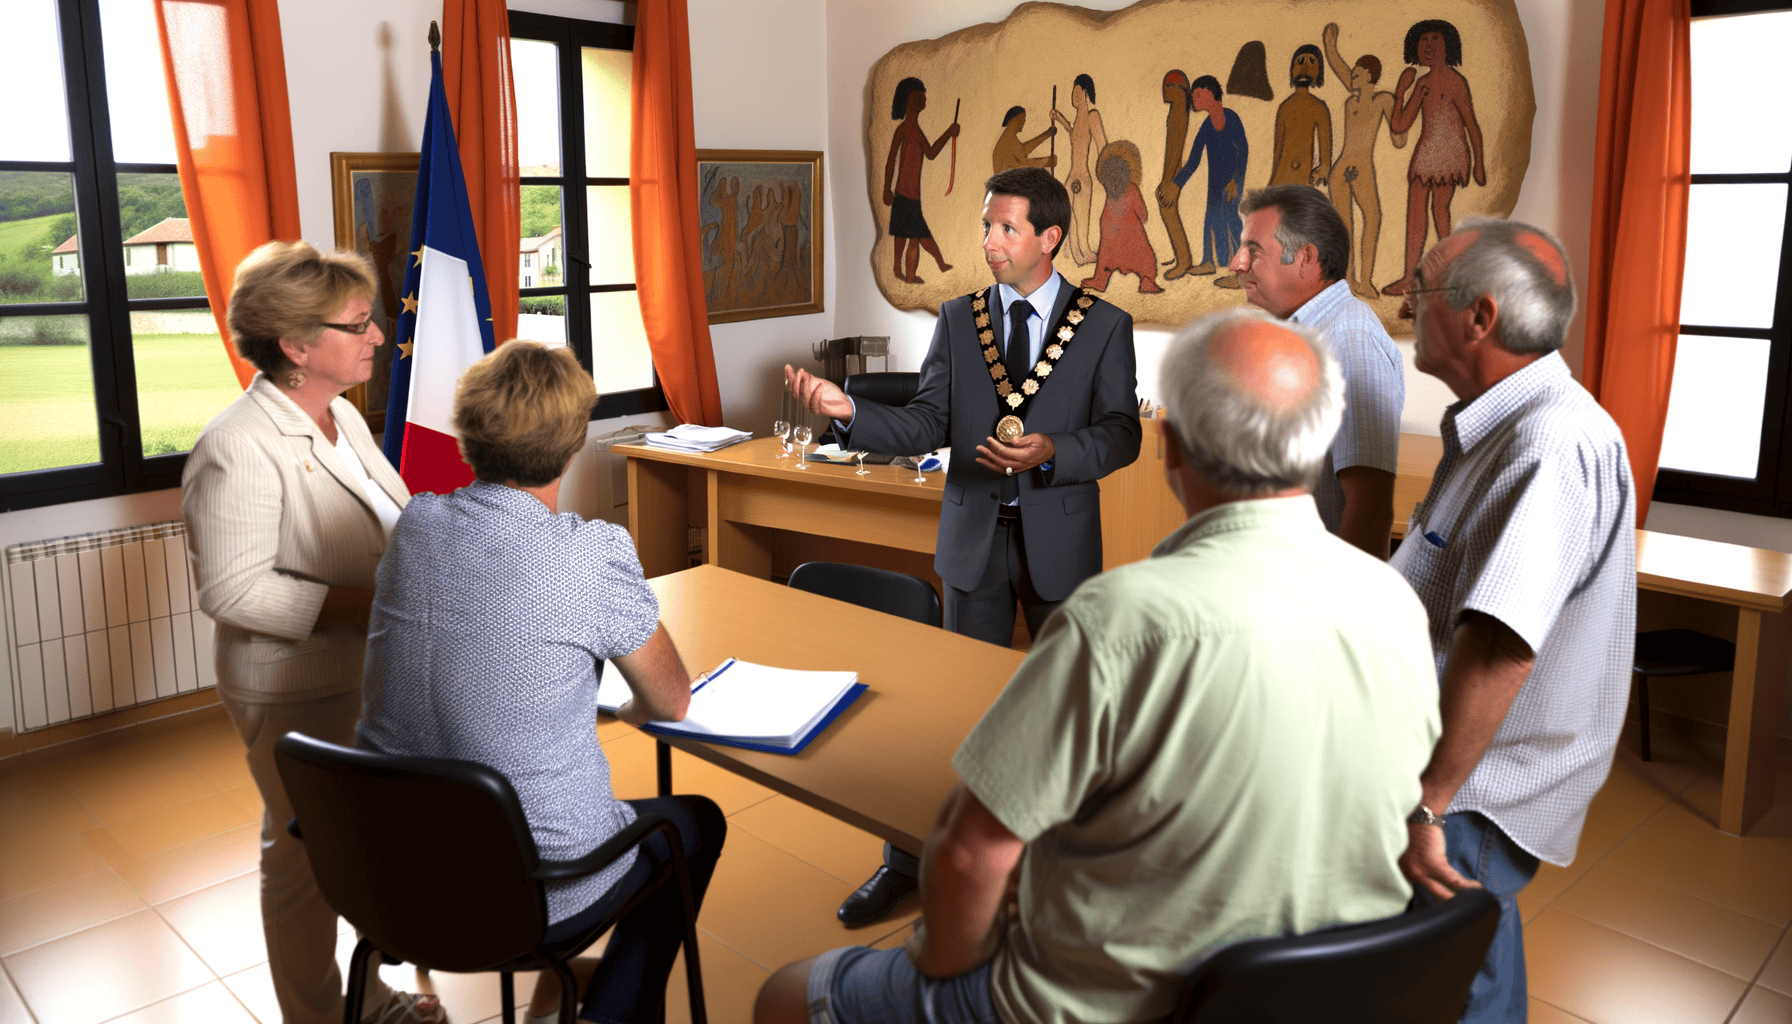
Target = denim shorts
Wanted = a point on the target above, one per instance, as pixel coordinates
(857, 983)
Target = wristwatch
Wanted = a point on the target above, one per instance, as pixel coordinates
(1423, 816)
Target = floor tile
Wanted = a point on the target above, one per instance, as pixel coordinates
(44, 814)
(1677, 850)
(254, 988)
(1763, 1006)
(771, 907)
(847, 853)
(125, 787)
(163, 876)
(106, 846)
(45, 864)
(63, 909)
(896, 938)
(248, 798)
(1704, 932)
(57, 978)
(210, 1004)
(1543, 1013)
(222, 923)
(1777, 975)
(164, 829)
(730, 984)
(224, 766)
(1608, 978)
(12, 1008)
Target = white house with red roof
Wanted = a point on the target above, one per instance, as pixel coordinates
(66, 258)
(540, 260)
(163, 248)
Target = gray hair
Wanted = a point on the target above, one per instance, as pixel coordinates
(1534, 307)
(1308, 218)
(1227, 435)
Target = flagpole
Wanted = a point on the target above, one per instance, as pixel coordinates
(435, 38)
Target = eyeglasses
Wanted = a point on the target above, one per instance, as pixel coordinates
(355, 328)
(1410, 292)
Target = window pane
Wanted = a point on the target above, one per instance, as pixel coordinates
(40, 253)
(1714, 414)
(160, 259)
(47, 417)
(543, 319)
(136, 87)
(608, 77)
(1735, 63)
(183, 376)
(542, 261)
(31, 79)
(620, 360)
(536, 65)
(1733, 237)
(612, 234)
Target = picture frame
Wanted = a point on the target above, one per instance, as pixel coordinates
(760, 212)
(373, 195)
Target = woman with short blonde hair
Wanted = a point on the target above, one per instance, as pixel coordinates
(521, 413)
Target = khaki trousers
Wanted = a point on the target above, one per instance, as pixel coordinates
(300, 927)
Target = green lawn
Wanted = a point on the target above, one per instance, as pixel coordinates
(46, 398)
(13, 232)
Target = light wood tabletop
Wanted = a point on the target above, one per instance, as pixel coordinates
(885, 764)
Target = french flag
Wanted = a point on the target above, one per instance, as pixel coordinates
(446, 324)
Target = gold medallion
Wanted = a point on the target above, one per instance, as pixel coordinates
(1008, 428)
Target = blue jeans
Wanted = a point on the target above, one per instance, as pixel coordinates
(1478, 849)
(858, 983)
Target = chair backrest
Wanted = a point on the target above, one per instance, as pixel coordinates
(427, 857)
(1410, 969)
(881, 590)
(883, 388)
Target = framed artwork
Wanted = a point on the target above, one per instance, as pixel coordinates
(373, 195)
(761, 233)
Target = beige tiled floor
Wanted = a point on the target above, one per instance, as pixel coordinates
(128, 891)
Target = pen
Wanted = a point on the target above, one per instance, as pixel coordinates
(709, 677)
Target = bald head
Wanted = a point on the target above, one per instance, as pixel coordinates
(1254, 402)
(1522, 268)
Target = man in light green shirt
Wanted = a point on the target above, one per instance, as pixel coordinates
(1215, 744)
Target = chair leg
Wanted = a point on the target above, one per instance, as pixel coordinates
(693, 968)
(663, 762)
(1642, 710)
(507, 995)
(357, 982)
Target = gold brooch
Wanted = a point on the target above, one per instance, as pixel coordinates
(989, 354)
(1006, 389)
(1054, 352)
(1029, 386)
(1015, 399)
(997, 372)
(1044, 369)
(1066, 332)
(982, 319)
(1075, 316)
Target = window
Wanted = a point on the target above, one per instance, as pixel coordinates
(573, 82)
(109, 364)
(1728, 440)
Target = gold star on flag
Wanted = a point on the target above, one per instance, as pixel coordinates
(419, 254)
(410, 303)
(404, 349)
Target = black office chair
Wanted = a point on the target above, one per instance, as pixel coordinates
(1410, 969)
(884, 388)
(894, 593)
(1675, 652)
(476, 902)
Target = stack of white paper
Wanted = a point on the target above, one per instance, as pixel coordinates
(689, 437)
(747, 704)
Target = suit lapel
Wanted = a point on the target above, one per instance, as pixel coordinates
(291, 421)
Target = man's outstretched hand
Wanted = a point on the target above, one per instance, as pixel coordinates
(818, 395)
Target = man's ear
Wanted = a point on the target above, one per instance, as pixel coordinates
(1172, 450)
(1483, 316)
(1308, 259)
(1049, 238)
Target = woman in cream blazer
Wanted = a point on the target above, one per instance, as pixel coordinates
(288, 504)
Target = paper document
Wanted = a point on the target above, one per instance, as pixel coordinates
(750, 705)
(692, 437)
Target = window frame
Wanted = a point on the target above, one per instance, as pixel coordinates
(570, 35)
(105, 302)
(1770, 492)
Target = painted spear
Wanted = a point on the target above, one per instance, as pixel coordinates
(952, 178)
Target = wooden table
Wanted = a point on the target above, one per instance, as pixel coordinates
(885, 764)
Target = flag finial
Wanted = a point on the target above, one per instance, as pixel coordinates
(435, 38)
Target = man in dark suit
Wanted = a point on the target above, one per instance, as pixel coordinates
(1033, 428)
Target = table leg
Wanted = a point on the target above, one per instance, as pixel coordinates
(734, 545)
(658, 516)
(1763, 642)
(662, 756)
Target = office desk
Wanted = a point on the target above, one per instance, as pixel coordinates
(885, 764)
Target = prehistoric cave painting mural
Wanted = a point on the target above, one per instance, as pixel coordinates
(1192, 100)
(1012, 151)
(902, 180)
(1449, 142)
(1087, 137)
(1302, 120)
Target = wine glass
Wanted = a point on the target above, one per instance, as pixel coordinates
(802, 435)
(919, 478)
(781, 431)
(862, 470)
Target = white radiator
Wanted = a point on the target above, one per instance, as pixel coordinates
(103, 621)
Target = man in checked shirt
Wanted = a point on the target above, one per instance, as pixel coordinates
(1524, 555)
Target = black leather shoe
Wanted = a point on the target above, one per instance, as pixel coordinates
(874, 899)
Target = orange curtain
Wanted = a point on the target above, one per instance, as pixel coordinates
(226, 76)
(663, 198)
(1641, 175)
(477, 76)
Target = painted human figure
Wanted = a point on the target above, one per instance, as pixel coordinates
(1300, 117)
(902, 180)
(1175, 135)
(1221, 137)
(1012, 151)
(1449, 143)
(1087, 138)
(725, 284)
(1124, 247)
(1353, 176)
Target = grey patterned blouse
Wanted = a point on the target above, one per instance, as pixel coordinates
(487, 625)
